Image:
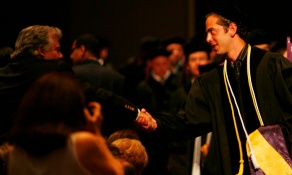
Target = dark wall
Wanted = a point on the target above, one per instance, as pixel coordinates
(124, 23)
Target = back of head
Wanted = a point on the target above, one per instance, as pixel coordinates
(90, 42)
(228, 13)
(124, 133)
(50, 110)
(133, 151)
(280, 46)
(258, 37)
(30, 39)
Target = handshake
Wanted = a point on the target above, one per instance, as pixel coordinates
(94, 119)
(145, 121)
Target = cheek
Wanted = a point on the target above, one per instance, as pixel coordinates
(52, 55)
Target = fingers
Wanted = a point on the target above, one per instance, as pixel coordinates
(143, 110)
(145, 121)
(93, 116)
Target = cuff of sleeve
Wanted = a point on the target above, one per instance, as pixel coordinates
(138, 114)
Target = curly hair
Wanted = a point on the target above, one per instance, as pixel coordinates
(133, 151)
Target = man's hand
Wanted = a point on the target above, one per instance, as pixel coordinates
(145, 121)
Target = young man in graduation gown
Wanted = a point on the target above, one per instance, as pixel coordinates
(208, 108)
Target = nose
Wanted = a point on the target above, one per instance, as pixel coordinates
(208, 38)
(60, 55)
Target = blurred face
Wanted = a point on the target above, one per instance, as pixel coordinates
(77, 53)
(195, 60)
(103, 53)
(218, 37)
(177, 53)
(160, 65)
(53, 51)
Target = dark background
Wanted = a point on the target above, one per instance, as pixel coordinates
(125, 22)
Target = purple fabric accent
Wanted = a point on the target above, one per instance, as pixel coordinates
(289, 49)
(273, 134)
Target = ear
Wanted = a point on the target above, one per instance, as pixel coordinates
(83, 50)
(232, 29)
(82, 47)
(41, 52)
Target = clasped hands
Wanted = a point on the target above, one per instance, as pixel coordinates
(145, 121)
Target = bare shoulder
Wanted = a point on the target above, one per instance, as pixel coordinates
(94, 154)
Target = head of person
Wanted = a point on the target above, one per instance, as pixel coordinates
(133, 151)
(128, 167)
(259, 38)
(225, 24)
(51, 109)
(104, 47)
(84, 47)
(175, 45)
(147, 45)
(39, 41)
(280, 47)
(123, 133)
(197, 54)
(158, 62)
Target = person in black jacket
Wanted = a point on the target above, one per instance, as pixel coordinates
(211, 106)
(37, 51)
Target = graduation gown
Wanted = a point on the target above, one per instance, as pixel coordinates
(207, 109)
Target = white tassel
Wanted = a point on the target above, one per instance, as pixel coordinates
(254, 160)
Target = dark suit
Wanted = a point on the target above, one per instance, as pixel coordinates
(157, 97)
(91, 71)
(17, 76)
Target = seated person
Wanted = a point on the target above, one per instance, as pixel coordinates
(133, 151)
(55, 132)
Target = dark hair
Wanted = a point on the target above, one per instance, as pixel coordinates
(258, 36)
(90, 42)
(229, 13)
(49, 112)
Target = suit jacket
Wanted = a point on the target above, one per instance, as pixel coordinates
(157, 97)
(207, 109)
(17, 76)
(93, 72)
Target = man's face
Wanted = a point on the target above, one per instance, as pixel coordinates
(54, 51)
(177, 53)
(160, 65)
(195, 60)
(77, 53)
(218, 37)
